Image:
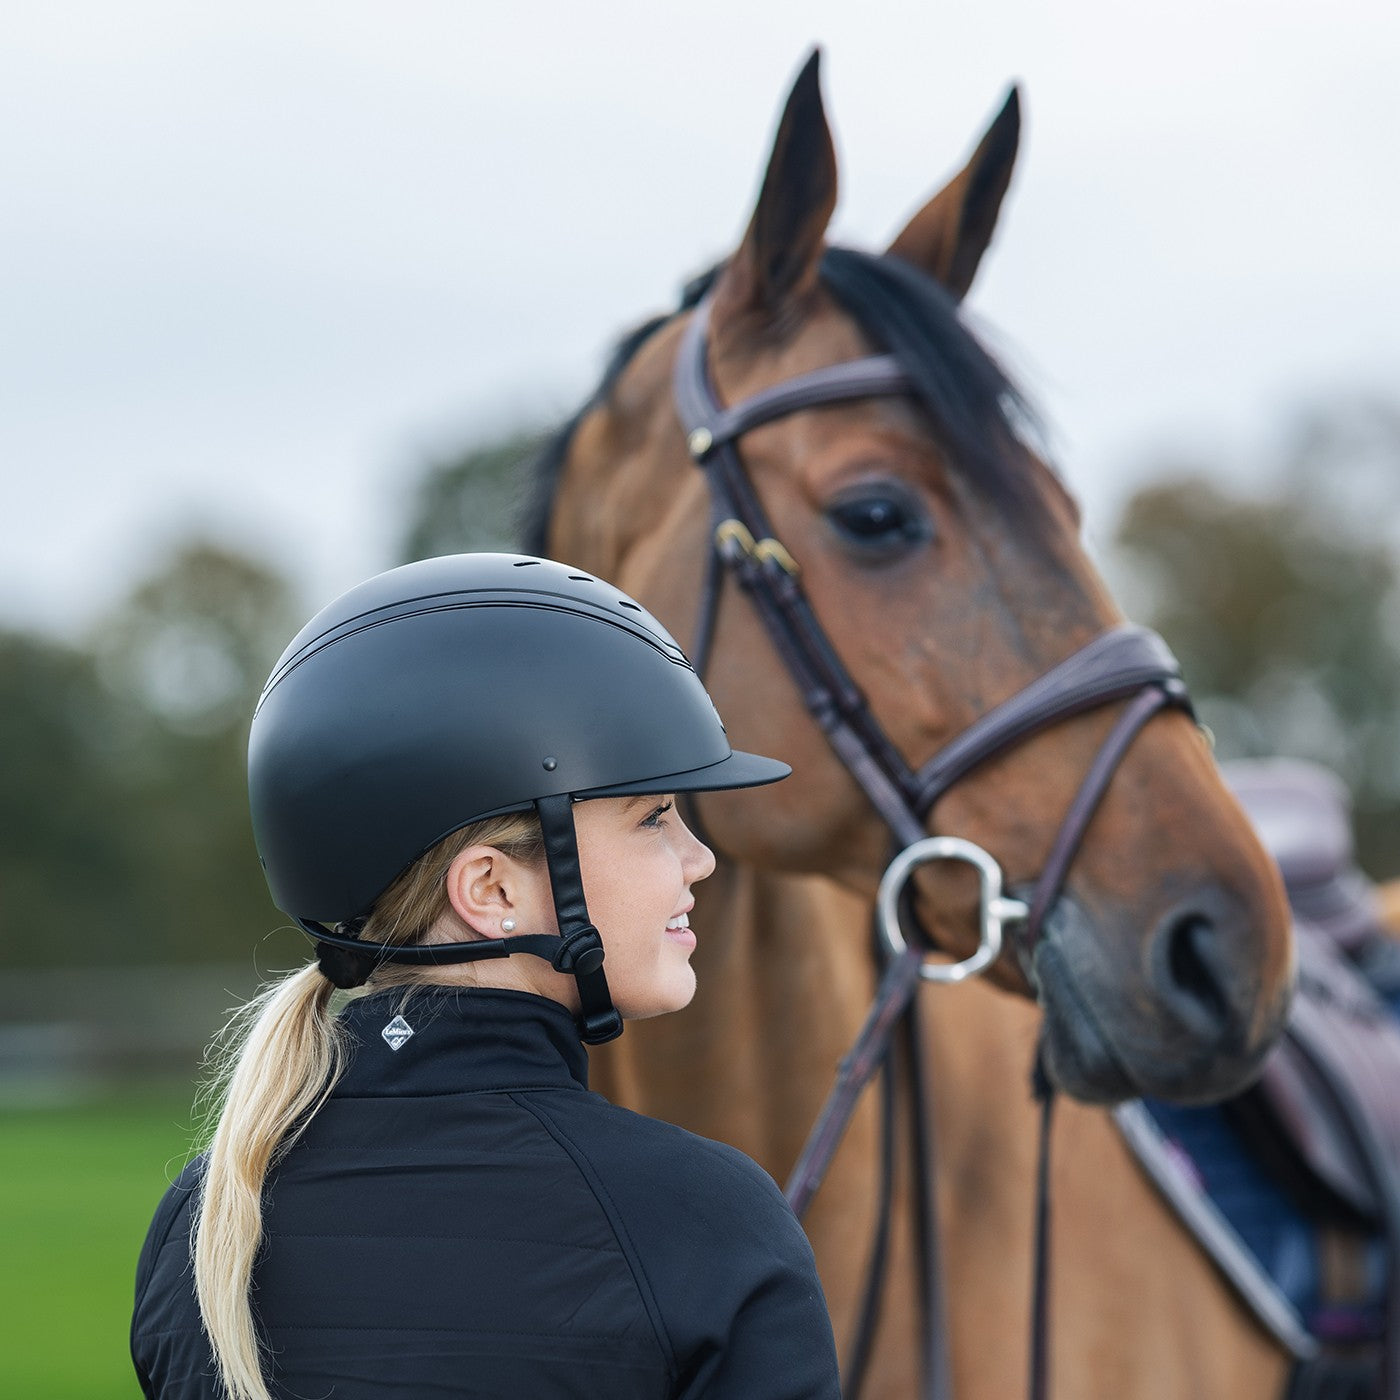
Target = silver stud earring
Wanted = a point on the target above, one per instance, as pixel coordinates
(507, 925)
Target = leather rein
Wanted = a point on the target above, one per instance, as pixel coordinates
(1123, 664)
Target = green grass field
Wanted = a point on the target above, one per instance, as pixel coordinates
(77, 1190)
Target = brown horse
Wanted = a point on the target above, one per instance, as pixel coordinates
(942, 557)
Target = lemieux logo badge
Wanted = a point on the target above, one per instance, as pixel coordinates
(396, 1033)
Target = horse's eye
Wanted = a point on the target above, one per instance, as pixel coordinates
(880, 520)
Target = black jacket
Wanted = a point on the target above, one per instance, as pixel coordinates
(463, 1218)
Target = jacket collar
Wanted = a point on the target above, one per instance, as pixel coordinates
(447, 1040)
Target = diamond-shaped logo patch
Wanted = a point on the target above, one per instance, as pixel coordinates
(396, 1032)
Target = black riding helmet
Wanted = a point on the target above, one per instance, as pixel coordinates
(459, 688)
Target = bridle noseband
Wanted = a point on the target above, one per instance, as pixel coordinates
(1124, 663)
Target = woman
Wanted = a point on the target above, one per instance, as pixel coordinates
(419, 1196)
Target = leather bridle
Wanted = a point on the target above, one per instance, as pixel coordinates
(1123, 664)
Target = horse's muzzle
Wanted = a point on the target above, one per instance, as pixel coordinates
(1180, 1022)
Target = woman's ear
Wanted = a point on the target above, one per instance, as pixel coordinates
(487, 888)
(476, 891)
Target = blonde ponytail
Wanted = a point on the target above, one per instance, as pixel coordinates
(281, 1055)
(272, 1066)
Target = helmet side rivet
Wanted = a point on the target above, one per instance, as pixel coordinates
(550, 764)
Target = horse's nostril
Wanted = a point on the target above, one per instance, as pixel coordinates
(1193, 981)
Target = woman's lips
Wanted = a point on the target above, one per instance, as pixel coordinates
(678, 930)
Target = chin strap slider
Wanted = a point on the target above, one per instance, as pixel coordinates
(581, 953)
(599, 1028)
(343, 968)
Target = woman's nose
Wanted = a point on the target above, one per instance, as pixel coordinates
(697, 860)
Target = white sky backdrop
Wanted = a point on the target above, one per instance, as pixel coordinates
(258, 261)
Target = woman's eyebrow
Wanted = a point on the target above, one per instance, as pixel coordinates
(650, 799)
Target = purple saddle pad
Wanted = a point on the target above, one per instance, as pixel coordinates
(1335, 1075)
(1302, 813)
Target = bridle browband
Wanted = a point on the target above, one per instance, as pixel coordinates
(1124, 663)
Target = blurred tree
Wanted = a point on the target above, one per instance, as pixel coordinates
(1284, 607)
(126, 789)
(473, 499)
(187, 652)
(64, 868)
(193, 642)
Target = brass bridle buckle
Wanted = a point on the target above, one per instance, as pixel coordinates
(997, 909)
(732, 539)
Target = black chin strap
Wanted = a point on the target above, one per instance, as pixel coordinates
(580, 949)
(347, 962)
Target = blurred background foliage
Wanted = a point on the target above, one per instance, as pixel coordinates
(472, 499)
(123, 791)
(1283, 601)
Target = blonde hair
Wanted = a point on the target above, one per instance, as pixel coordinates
(271, 1067)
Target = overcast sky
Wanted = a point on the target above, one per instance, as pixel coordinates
(258, 261)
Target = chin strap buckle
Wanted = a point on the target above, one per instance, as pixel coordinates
(581, 953)
(581, 956)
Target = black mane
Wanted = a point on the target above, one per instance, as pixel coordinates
(975, 412)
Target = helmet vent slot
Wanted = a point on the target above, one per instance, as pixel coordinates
(526, 564)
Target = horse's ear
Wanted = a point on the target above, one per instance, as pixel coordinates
(948, 236)
(781, 251)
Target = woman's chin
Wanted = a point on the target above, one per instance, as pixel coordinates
(672, 990)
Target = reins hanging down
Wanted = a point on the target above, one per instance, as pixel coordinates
(1124, 663)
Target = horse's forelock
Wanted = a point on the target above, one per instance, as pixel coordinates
(979, 417)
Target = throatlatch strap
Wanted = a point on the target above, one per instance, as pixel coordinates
(580, 951)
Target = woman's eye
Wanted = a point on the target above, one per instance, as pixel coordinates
(653, 818)
(882, 521)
